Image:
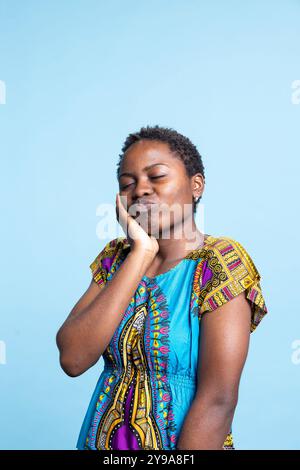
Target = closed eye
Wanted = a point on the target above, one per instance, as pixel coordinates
(124, 187)
(154, 177)
(151, 177)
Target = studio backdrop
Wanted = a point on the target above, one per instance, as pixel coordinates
(76, 77)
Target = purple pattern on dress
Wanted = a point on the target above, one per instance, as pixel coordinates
(124, 439)
(107, 263)
(206, 274)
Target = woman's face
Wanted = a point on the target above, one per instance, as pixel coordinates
(151, 173)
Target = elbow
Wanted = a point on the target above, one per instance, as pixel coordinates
(72, 359)
(67, 365)
(70, 367)
(73, 364)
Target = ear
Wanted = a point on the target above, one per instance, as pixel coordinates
(197, 185)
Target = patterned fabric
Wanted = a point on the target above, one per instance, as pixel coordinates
(150, 365)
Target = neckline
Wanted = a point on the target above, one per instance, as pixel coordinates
(205, 241)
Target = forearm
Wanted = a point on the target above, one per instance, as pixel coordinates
(83, 337)
(206, 425)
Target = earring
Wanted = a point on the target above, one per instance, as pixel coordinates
(196, 198)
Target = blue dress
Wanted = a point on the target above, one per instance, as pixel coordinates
(149, 378)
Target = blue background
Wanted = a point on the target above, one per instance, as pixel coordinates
(81, 75)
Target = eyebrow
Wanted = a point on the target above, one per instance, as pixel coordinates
(146, 168)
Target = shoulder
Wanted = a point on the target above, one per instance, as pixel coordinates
(114, 245)
(226, 254)
(102, 263)
(220, 243)
(227, 269)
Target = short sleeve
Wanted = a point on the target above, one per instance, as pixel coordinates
(104, 261)
(228, 270)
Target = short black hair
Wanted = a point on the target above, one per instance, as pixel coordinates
(178, 143)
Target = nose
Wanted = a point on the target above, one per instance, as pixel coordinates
(142, 187)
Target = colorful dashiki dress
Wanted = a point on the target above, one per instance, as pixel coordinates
(149, 378)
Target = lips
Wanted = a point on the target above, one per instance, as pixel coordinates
(145, 202)
(144, 206)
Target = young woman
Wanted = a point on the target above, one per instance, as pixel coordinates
(171, 315)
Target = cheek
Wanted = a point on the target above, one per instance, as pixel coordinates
(174, 191)
(179, 196)
(177, 193)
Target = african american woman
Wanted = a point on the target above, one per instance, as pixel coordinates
(169, 308)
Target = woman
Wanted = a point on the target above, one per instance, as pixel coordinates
(171, 315)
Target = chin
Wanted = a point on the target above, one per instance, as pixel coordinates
(155, 225)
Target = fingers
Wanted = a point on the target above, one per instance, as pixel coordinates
(131, 227)
(117, 206)
(122, 214)
(121, 210)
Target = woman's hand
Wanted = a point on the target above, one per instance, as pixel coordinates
(136, 235)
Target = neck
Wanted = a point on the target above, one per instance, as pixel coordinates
(179, 243)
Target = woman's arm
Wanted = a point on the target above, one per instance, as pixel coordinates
(224, 343)
(88, 329)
